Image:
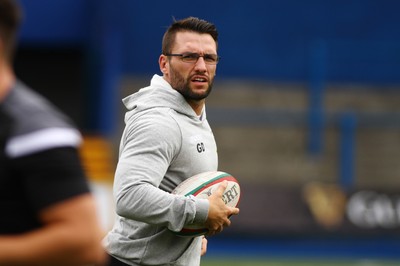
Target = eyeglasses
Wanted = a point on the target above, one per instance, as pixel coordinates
(209, 59)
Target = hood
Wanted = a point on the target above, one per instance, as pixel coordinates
(158, 94)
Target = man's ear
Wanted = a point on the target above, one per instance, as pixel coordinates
(163, 61)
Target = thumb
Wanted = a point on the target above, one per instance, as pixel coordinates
(221, 188)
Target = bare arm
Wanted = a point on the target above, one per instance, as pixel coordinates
(70, 236)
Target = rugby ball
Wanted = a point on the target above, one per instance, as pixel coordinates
(202, 186)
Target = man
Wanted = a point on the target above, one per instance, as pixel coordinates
(165, 125)
(48, 216)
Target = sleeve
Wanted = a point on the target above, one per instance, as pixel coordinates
(148, 148)
(51, 176)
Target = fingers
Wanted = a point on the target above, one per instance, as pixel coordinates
(215, 231)
(221, 188)
(234, 211)
(219, 227)
(227, 223)
(203, 246)
(219, 212)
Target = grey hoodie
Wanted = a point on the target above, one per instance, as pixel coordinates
(164, 142)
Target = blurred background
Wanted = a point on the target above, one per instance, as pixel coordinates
(305, 110)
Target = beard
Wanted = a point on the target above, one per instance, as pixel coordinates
(182, 85)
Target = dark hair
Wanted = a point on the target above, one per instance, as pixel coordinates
(10, 19)
(188, 24)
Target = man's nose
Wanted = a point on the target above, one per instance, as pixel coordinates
(200, 64)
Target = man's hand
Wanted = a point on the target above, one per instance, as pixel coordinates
(219, 212)
(203, 245)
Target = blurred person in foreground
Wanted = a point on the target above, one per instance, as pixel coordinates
(166, 140)
(48, 215)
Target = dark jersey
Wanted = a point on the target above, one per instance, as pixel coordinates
(39, 160)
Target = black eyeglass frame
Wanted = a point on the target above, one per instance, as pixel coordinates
(191, 56)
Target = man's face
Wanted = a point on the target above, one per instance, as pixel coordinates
(193, 80)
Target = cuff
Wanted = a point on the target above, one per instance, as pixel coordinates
(202, 206)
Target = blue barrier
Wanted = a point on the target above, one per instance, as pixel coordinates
(307, 247)
(104, 58)
(347, 127)
(318, 58)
